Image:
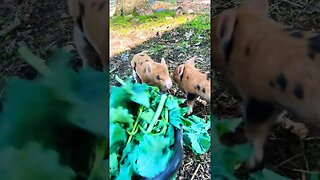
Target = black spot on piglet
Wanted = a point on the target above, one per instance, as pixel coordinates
(314, 47)
(315, 39)
(298, 92)
(314, 44)
(282, 81)
(289, 29)
(297, 34)
(258, 111)
(191, 96)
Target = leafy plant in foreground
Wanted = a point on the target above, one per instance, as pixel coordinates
(225, 159)
(54, 127)
(142, 123)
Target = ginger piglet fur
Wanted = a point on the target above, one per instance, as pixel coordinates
(274, 68)
(193, 82)
(90, 31)
(148, 71)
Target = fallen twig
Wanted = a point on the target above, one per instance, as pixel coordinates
(304, 171)
(288, 160)
(293, 3)
(195, 172)
(11, 27)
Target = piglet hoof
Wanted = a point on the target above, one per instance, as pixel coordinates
(188, 113)
(203, 102)
(253, 165)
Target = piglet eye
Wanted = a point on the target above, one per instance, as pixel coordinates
(158, 77)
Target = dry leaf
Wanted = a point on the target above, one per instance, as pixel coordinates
(295, 127)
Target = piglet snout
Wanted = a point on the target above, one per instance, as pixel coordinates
(168, 84)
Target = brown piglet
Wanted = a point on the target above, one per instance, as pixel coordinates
(146, 70)
(193, 82)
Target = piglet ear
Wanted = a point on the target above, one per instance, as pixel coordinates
(180, 69)
(148, 68)
(225, 28)
(191, 61)
(163, 61)
(258, 6)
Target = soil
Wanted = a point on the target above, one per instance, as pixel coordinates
(42, 26)
(285, 152)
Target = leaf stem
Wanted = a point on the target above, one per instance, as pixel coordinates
(100, 151)
(120, 80)
(158, 112)
(166, 119)
(34, 61)
(135, 129)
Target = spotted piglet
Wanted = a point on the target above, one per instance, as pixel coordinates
(193, 82)
(145, 70)
(274, 68)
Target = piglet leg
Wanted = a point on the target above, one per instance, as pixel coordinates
(260, 116)
(136, 77)
(191, 99)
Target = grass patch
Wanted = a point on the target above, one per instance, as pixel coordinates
(157, 48)
(134, 19)
(201, 22)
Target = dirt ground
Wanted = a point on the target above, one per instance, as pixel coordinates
(41, 25)
(285, 153)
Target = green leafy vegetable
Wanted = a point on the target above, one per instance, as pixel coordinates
(225, 158)
(266, 174)
(152, 148)
(28, 160)
(148, 118)
(57, 122)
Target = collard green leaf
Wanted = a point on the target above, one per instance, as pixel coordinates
(140, 94)
(227, 125)
(229, 157)
(119, 97)
(172, 102)
(146, 153)
(153, 155)
(199, 142)
(32, 162)
(58, 58)
(315, 176)
(113, 164)
(122, 116)
(126, 151)
(170, 134)
(126, 171)
(53, 109)
(117, 135)
(175, 117)
(266, 174)
(147, 115)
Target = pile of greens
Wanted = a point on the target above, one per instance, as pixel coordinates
(55, 126)
(226, 160)
(142, 122)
